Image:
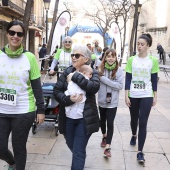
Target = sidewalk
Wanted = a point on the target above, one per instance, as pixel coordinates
(48, 152)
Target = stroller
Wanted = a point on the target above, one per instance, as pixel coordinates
(51, 107)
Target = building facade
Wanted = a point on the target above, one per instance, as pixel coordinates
(154, 19)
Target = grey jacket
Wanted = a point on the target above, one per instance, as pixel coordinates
(110, 86)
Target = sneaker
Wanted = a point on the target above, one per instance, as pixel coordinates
(140, 157)
(103, 143)
(133, 141)
(107, 152)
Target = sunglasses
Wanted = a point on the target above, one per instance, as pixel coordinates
(67, 42)
(77, 56)
(12, 33)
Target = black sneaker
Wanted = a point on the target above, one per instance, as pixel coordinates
(133, 141)
(140, 157)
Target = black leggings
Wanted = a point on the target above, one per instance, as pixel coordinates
(107, 114)
(19, 125)
(140, 110)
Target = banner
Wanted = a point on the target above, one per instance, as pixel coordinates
(61, 26)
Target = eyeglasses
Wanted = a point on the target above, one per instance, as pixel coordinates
(12, 33)
(77, 56)
(67, 42)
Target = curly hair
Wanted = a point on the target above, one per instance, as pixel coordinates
(102, 65)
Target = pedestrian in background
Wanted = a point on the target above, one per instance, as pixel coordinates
(78, 127)
(62, 58)
(42, 54)
(111, 82)
(93, 56)
(20, 83)
(141, 90)
(39, 47)
(98, 57)
(160, 52)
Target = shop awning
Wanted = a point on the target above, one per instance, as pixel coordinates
(5, 18)
(34, 28)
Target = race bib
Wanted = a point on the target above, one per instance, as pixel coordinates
(138, 85)
(8, 96)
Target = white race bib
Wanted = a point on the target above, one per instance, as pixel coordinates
(138, 85)
(8, 96)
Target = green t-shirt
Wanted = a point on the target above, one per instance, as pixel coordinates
(141, 70)
(16, 94)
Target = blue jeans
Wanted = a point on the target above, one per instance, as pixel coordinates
(77, 139)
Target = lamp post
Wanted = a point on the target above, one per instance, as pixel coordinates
(136, 29)
(47, 6)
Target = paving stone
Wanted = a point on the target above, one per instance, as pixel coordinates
(40, 145)
(153, 161)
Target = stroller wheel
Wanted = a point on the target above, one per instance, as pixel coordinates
(34, 128)
(56, 131)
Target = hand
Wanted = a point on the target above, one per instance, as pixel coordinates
(127, 101)
(69, 77)
(154, 101)
(51, 72)
(40, 118)
(76, 98)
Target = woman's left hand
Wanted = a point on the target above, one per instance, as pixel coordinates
(154, 101)
(40, 118)
(69, 77)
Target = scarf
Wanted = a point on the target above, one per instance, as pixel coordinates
(14, 54)
(67, 50)
(110, 67)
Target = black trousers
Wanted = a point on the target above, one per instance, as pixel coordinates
(42, 64)
(18, 125)
(107, 115)
(161, 55)
(139, 112)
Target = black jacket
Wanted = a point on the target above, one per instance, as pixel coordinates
(91, 87)
(160, 49)
(42, 52)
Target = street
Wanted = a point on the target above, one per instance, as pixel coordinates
(48, 152)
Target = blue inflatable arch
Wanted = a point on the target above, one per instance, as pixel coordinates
(89, 29)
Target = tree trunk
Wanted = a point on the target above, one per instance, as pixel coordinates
(26, 18)
(113, 42)
(134, 28)
(53, 26)
(104, 40)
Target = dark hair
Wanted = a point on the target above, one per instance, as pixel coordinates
(16, 22)
(147, 37)
(104, 50)
(44, 45)
(102, 65)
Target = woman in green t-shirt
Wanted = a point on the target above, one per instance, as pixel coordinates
(141, 90)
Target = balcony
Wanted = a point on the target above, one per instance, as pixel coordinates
(17, 8)
(10, 11)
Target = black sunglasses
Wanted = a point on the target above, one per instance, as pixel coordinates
(77, 56)
(67, 42)
(12, 33)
